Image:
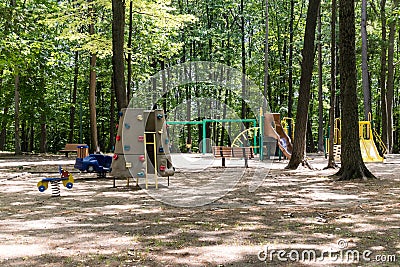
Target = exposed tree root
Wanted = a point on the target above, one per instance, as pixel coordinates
(295, 165)
(354, 172)
(331, 165)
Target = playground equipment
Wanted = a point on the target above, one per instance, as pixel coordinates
(288, 126)
(275, 132)
(243, 139)
(65, 177)
(204, 128)
(369, 151)
(99, 163)
(368, 148)
(142, 146)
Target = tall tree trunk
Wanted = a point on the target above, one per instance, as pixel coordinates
(243, 49)
(92, 93)
(118, 24)
(390, 87)
(73, 99)
(129, 52)
(112, 117)
(320, 101)
(382, 78)
(352, 166)
(308, 53)
(16, 116)
(290, 78)
(364, 64)
(266, 49)
(390, 82)
(331, 157)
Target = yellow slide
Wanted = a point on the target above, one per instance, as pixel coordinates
(369, 151)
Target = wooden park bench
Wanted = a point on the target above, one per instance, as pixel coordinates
(224, 152)
(71, 148)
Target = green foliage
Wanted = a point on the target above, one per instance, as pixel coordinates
(39, 39)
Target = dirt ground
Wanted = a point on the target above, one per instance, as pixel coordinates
(288, 218)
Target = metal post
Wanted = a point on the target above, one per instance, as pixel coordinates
(80, 123)
(204, 148)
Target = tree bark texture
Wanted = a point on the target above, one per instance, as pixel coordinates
(320, 81)
(382, 78)
(352, 166)
(73, 99)
(16, 116)
(118, 24)
(390, 83)
(364, 64)
(308, 53)
(331, 157)
(92, 94)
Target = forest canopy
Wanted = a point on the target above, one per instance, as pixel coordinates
(47, 47)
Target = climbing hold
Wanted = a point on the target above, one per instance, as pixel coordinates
(127, 147)
(140, 174)
(127, 126)
(162, 168)
(166, 141)
(120, 113)
(69, 185)
(115, 156)
(139, 117)
(116, 126)
(140, 138)
(161, 149)
(118, 137)
(159, 116)
(141, 157)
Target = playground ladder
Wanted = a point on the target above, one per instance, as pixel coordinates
(147, 158)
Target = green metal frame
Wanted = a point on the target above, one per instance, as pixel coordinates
(205, 121)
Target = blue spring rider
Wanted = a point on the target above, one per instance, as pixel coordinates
(65, 177)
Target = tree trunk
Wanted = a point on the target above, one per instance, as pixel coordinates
(129, 52)
(383, 74)
(390, 83)
(92, 95)
(16, 116)
(352, 166)
(331, 157)
(320, 102)
(308, 53)
(73, 99)
(243, 49)
(364, 64)
(290, 78)
(266, 49)
(112, 118)
(118, 24)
